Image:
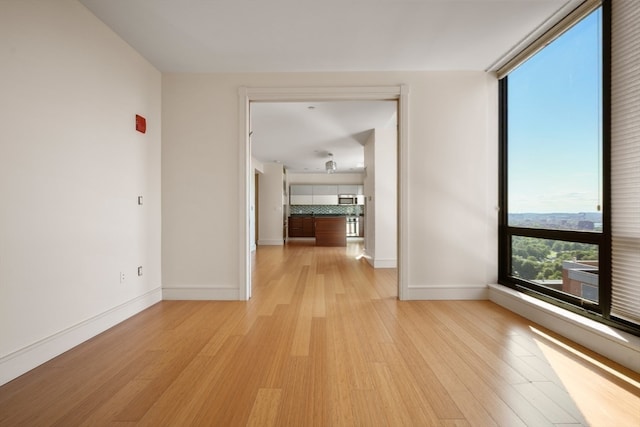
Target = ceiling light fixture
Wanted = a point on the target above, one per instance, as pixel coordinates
(330, 166)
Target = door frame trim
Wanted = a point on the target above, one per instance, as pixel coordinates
(246, 95)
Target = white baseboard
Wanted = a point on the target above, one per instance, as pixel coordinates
(447, 292)
(201, 292)
(270, 242)
(382, 263)
(619, 346)
(21, 361)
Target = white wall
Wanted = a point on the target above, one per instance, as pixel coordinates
(71, 169)
(381, 198)
(271, 205)
(452, 178)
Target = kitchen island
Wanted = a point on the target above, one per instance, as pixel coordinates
(331, 230)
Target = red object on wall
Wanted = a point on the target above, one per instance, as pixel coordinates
(141, 124)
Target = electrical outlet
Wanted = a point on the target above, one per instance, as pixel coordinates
(122, 277)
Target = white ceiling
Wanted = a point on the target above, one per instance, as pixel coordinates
(326, 35)
(300, 135)
(205, 36)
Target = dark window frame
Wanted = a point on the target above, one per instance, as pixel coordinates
(599, 311)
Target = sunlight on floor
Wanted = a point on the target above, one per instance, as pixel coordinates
(588, 359)
(355, 248)
(578, 380)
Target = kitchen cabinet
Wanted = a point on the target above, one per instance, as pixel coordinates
(300, 200)
(295, 226)
(301, 226)
(325, 190)
(322, 194)
(328, 199)
(308, 226)
(325, 194)
(300, 190)
(348, 190)
(300, 194)
(331, 231)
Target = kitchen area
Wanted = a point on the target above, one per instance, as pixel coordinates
(328, 213)
(325, 174)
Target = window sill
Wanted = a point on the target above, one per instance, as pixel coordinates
(619, 346)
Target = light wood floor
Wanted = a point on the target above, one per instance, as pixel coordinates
(324, 342)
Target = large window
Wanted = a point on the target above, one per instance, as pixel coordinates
(555, 224)
(555, 133)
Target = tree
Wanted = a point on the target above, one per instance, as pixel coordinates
(525, 268)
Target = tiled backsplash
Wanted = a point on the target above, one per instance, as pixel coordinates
(326, 209)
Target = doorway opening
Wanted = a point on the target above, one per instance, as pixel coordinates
(398, 94)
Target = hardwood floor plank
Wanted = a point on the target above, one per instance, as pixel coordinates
(110, 407)
(537, 369)
(418, 368)
(339, 389)
(483, 321)
(324, 342)
(368, 408)
(495, 394)
(319, 372)
(474, 411)
(297, 402)
(455, 423)
(488, 352)
(560, 397)
(592, 388)
(319, 303)
(265, 409)
(354, 356)
(222, 321)
(550, 408)
(194, 389)
(398, 409)
(172, 364)
(302, 335)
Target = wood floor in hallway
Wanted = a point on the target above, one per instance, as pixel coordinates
(324, 342)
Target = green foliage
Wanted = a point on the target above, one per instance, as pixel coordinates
(541, 259)
(525, 268)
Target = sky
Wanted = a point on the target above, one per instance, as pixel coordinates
(554, 125)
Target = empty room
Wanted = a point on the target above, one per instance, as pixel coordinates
(292, 213)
